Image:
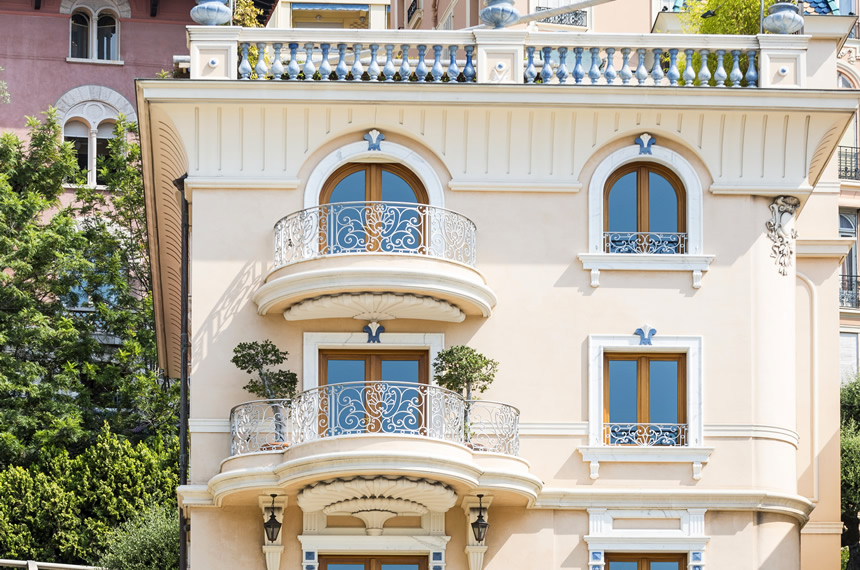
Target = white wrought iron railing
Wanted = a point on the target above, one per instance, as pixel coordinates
(374, 227)
(379, 407)
(645, 435)
(644, 242)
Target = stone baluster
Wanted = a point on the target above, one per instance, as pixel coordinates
(436, 70)
(625, 74)
(469, 68)
(293, 66)
(341, 70)
(594, 71)
(562, 72)
(720, 74)
(373, 68)
(453, 70)
(421, 68)
(277, 64)
(309, 69)
(546, 70)
(530, 72)
(704, 71)
(752, 73)
(245, 66)
(657, 68)
(673, 75)
(735, 76)
(641, 71)
(405, 69)
(325, 66)
(388, 69)
(689, 71)
(357, 68)
(578, 71)
(261, 70)
(609, 72)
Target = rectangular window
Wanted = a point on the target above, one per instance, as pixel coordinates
(377, 392)
(374, 563)
(646, 561)
(645, 400)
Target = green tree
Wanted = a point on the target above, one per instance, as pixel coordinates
(735, 17)
(850, 470)
(147, 542)
(4, 91)
(461, 368)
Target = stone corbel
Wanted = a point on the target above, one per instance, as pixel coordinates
(273, 550)
(780, 230)
(474, 550)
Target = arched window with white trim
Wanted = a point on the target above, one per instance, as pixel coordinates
(90, 144)
(94, 34)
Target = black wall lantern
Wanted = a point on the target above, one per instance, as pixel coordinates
(272, 526)
(480, 526)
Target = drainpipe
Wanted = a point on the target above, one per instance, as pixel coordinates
(183, 367)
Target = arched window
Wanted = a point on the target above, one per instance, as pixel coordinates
(94, 36)
(644, 211)
(89, 144)
(374, 207)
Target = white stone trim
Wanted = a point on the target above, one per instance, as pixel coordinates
(689, 345)
(209, 425)
(361, 544)
(694, 260)
(389, 152)
(313, 342)
(121, 7)
(93, 104)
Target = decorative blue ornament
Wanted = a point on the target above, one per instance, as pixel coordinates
(374, 138)
(645, 142)
(211, 12)
(499, 13)
(645, 333)
(373, 331)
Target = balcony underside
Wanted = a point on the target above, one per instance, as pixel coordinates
(315, 289)
(244, 477)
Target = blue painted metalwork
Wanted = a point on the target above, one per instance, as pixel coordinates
(388, 69)
(245, 67)
(341, 70)
(374, 138)
(720, 75)
(436, 70)
(594, 71)
(735, 76)
(752, 74)
(469, 68)
(357, 68)
(293, 66)
(309, 68)
(546, 70)
(277, 64)
(609, 73)
(530, 72)
(325, 66)
(645, 334)
(453, 70)
(373, 332)
(405, 69)
(562, 73)
(645, 142)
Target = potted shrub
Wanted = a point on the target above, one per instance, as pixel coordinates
(258, 359)
(464, 370)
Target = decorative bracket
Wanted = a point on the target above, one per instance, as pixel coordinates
(645, 142)
(645, 333)
(780, 230)
(474, 550)
(374, 138)
(273, 551)
(373, 330)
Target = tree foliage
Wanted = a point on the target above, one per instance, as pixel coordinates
(462, 367)
(4, 91)
(735, 17)
(150, 541)
(259, 358)
(850, 470)
(246, 14)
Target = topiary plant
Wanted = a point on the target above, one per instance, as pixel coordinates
(258, 358)
(461, 368)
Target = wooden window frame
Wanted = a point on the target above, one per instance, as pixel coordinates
(644, 560)
(373, 362)
(373, 180)
(373, 562)
(642, 193)
(643, 388)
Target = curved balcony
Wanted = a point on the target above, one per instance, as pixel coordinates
(374, 409)
(330, 257)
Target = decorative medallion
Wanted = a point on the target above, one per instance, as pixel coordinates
(374, 138)
(645, 142)
(780, 230)
(373, 330)
(645, 333)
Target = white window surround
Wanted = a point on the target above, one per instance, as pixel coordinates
(316, 545)
(693, 452)
(389, 152)
(314, 342)
(689, 537)
(596, 259)
(94, 9)
(121, 7)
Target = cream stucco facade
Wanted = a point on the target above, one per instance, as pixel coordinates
(748, 477)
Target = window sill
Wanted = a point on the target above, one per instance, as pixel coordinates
(96, 61)
(645, 262)
(622, 454)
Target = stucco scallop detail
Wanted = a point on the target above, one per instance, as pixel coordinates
(122, 7)
(94, 103)
(433, 496)
(375, 307)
